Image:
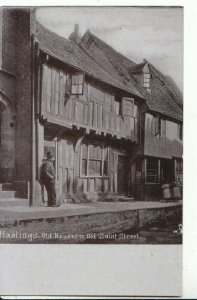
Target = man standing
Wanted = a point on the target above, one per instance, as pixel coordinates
(48, 175)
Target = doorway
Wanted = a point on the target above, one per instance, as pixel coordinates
(7, 143)
(167, 170)
(122, 174)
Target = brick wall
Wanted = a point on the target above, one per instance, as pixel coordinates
(7, 95)
(8, 40)
(1, 24)
(23, 95)
(83, 227)
(7, 54)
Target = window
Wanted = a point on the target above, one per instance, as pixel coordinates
(162, 127)
(128, 107)
(77, 81)
(172, 130)
(152, 171)
(116, 107)
(155, 125)
(94, 160)
(179, 171)
(146, 80)
(180, 131)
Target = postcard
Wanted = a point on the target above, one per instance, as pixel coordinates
(91, 133)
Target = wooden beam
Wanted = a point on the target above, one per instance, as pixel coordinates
(159, 170)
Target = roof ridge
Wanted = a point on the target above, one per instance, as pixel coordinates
(96, 39)
(50, 31)
(130, 79)
(161, 76)
(74, 54)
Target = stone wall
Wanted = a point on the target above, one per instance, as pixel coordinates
(88, 227)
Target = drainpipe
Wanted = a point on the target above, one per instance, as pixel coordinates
(32, 121)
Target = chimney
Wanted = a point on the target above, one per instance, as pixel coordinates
(75, 35)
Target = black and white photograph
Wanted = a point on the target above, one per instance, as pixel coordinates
(91, 125)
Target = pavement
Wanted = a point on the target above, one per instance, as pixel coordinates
(30, 213)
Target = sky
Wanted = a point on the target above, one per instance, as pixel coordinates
(155, 34)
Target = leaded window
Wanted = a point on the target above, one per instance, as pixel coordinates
(94, 160)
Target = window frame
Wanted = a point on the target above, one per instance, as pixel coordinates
(81, 84)
(102, 160)
(146, 80)
(151, 160)
(179, 171)
(180, 131)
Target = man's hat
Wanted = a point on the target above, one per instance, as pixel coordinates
(49, 154)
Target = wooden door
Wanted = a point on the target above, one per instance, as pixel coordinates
(122, 175)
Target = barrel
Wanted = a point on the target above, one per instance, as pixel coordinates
(176, 191)
(166, 193)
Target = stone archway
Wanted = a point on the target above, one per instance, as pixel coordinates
(7, 141)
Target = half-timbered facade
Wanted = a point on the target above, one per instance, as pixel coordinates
(159, 159)
(87, 118)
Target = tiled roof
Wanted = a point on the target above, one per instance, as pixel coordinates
(74, 55)
(119, 62)
(137, 68)
(163, 98)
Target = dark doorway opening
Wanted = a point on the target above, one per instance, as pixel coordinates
(167, 170)
(122, 175)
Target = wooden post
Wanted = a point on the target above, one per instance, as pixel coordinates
(144, 170)
(159, 170)
(175, 166)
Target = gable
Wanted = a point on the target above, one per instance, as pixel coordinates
(162, 98)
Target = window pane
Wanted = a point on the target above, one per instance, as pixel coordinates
(105, 154)
(171, 130)
(99, 152)
(128, 106)
(152, 171)
(108, 102)
(147, 80)
(84, 167)
(95, 167)
(95, 152)
(163, 128)
(116, 107)
(85, 151)
(146, 75)
(105, 168)
(98, 167)
(77, 84)
(80, 79)
(146, 84)
(135, 110)
(74, 89)
(91, 151)
(179, 171)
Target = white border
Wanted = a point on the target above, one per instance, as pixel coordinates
(10, 253)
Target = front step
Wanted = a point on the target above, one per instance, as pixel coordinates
(125, 199)
(7, 187)
(117, 198)
(13, 202)
(10, 194)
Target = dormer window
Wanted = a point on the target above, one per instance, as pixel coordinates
(146, 80)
